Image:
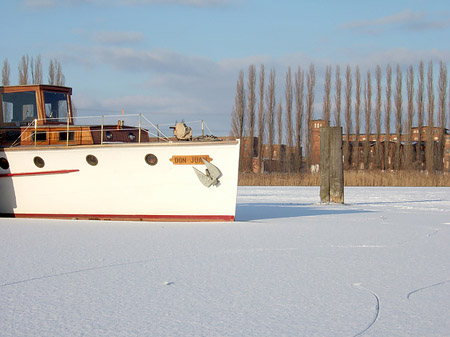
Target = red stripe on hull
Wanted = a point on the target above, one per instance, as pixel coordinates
(124, 217)
(37, 173)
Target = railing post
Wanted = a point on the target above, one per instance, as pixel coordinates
(101, 132)
(139, 137)
(67, 140)
(35, 132)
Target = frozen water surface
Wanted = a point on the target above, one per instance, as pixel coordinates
(379, 265)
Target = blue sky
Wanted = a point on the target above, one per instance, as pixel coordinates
(180, 59)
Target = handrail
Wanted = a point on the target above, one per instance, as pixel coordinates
(140, 119)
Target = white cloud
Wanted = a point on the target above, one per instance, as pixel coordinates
(402, 56)
(40, 3)
(177, 86)
(116, 37)
(191, 3)
(406, 19)
(52, 3)
(157, 60)
(188, 3)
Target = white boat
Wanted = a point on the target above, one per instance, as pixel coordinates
(52, 168)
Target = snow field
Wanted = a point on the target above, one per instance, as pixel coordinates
(376, 266)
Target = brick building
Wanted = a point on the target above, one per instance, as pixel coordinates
(282, 157)
(418, 145)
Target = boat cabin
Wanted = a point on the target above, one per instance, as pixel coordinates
(43, 115)
(45, 103)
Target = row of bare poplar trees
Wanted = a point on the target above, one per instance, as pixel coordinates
(258, 113)
(30, 72)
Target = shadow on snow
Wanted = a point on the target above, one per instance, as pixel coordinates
(406, 202)
(259, 211)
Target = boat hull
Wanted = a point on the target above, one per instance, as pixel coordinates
(115, 182)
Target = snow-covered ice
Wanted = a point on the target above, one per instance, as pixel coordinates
(379, 265)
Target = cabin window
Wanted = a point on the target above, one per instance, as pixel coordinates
(12, 135)
(56, 106)
(39, 136)
(63, 135)
(19, 107)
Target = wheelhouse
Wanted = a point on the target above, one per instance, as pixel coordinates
(44, 104)
(43, 115)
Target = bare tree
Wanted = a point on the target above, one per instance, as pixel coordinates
(337, 97)
(289, 97)
(356, 149)
(6, 71)
(387, 117)
(23, 70)
(261, 118)
(378, 118)
(270, 107)
(429, 149)
(289, 124)
(55, 74)
(32, 70)
(299, 97)
(51, 73)
(398, 119)
(251, 114)
(410, 94)
(60, 78)
(238, 115)
(368, 117)
(348, 116)
(310, 84)
(326, 97)
(36, 70)
(420, 101)
(280, 134)
(441, 117)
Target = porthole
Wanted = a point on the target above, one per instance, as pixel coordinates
(91, 159)
(4, 163)
(151, 159)
(39, 162)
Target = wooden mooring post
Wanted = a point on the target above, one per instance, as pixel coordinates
(331, 165)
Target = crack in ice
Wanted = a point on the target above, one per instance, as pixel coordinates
(357, 246)
(82, 271)
(377, 309)
(427, 287)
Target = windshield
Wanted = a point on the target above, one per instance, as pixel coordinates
(19, 107)
(56, 106)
